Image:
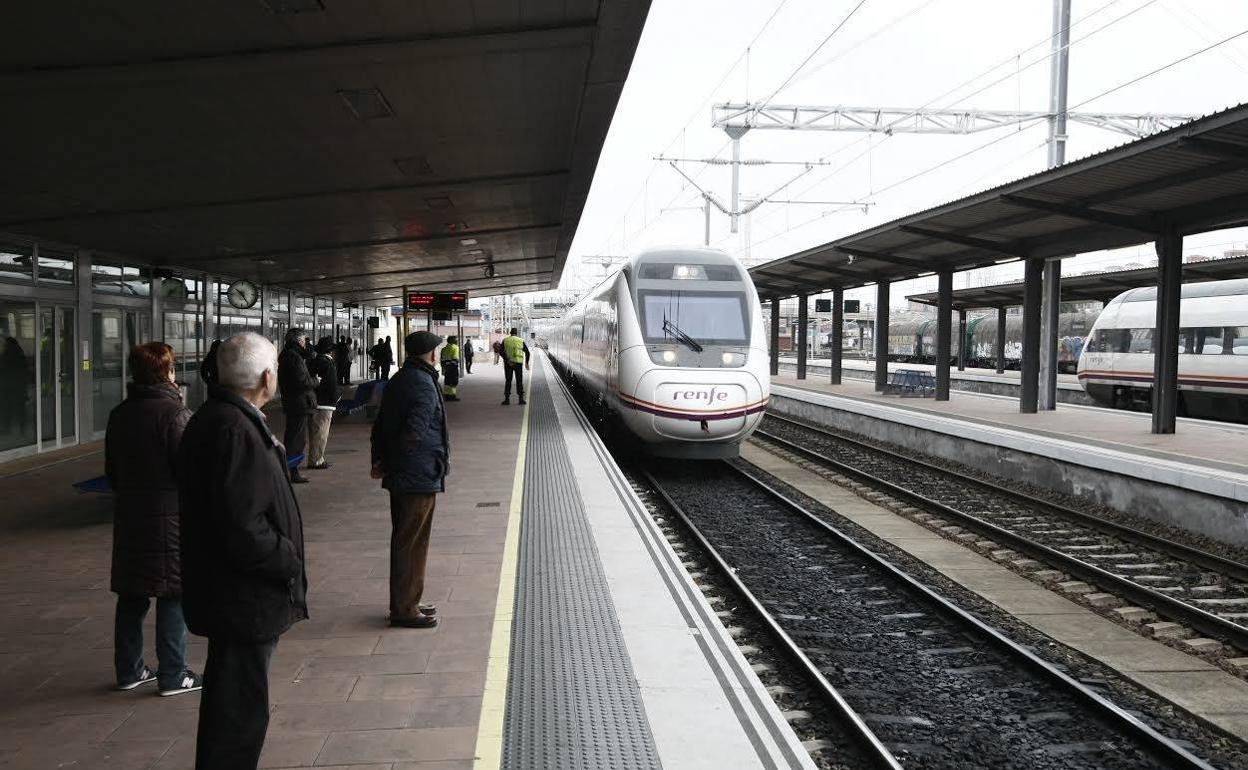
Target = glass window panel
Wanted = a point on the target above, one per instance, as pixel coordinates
(106, 278)
(1240, 345)
(1141, 341)
(56, 268)
(17, 374)
(16, 262)
(135, 284)
(1209, 340)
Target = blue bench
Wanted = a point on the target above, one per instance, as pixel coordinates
(911, 382)
(362, 397)
(100, 486)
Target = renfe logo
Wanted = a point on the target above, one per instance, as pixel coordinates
(708, 397)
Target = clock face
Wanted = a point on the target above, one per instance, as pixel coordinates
(243, 294)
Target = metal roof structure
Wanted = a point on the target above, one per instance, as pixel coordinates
(337, 148)
(1098, 287)
(1193, 178)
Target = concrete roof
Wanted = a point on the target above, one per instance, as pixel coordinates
(361, 141)
(1193, 178)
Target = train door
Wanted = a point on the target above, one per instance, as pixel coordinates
(57, 385)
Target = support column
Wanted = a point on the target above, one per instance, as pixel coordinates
(85, 368)
(158, 307)
(1001, 339)
(881, 334)
(1029, 382)
(1166, 331)
(266, 323)
(773, 344)
(944, 311)
(837, 343)
(1050, 310)
(803, 321)
(962, 346)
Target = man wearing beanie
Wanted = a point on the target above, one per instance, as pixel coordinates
(411, 455)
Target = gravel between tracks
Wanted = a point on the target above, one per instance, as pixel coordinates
(939, 697)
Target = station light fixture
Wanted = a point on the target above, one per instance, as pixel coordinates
(367, 103)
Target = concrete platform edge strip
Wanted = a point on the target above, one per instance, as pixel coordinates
(776, 744)
(572, 698)
(489, 747)
(1208, 480)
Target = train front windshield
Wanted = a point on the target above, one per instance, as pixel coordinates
(709, 318)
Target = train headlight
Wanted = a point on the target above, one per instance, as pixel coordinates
(688, 272)
(669, 356)
(728, 358)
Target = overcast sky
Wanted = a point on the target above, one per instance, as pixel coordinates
(985, 54)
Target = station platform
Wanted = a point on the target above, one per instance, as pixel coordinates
(970, 379)
(1195, 479)
(570, 637)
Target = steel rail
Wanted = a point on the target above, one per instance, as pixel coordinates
(1209, 561)
(1205, 622)
(866, 738)
(1164, 747)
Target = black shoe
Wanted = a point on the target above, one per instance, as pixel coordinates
(188, 682)
(522, 401)
(506, 402)
(297, 479)
(421, 621)
(320, 467)
(145, 676)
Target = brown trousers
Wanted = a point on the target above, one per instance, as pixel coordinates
(411, 521)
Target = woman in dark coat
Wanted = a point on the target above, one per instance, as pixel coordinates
(140, 451)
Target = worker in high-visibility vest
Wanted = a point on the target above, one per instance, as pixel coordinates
(515, 361)
(450, 369)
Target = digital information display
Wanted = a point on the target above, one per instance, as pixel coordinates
(439, 301)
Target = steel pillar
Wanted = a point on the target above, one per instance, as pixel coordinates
(836, 343)
(1029, 382)
(881, 334)
(1050, 305)
(1166, 332)
(944, 310)
(1001, 339)
(961, 340)
(803, 321)
(773, 347)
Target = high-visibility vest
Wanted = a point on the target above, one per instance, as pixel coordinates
(513, 350)
(450, 352)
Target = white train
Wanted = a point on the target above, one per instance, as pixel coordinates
(673, 345)
(1116, 368)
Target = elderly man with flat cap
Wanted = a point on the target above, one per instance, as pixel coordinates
(411, 452)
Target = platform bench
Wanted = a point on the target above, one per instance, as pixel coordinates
(364, 394)
(911, 382)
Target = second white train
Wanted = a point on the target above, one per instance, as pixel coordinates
(673, 345)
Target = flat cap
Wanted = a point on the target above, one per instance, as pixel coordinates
(420, 343)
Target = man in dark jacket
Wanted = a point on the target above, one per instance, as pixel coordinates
(342, 360)
(385, 359)
(411, 452)
(140, 448)
(322, 366)
(468, 353)
(243, 578)
(298, 394)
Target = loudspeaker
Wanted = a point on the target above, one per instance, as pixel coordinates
(374, 322)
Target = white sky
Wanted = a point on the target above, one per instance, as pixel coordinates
(891, 53)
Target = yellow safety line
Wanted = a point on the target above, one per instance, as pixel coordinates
(489, 750)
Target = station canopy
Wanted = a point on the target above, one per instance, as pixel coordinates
(1089, 287)
(345, 148)
(1193, 178)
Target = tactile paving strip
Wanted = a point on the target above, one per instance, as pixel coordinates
(572, 699)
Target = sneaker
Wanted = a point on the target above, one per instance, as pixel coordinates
(420, 621)
(188, 682)
(506, 402)
(320, 467)
(145, 676)
(428, 609)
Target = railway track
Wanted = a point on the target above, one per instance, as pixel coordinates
(1203, 591)
(917, 681)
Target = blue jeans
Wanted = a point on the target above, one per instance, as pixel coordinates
(170, 640)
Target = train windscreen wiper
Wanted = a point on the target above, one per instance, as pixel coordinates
(672, 329)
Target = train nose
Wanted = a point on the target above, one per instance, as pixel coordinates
(701, 411)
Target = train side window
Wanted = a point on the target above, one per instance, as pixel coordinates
(1239, 340)
(1209, 340)
(1187, 340)
(1141, 341)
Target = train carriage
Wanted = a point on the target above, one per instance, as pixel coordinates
(672, 345)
